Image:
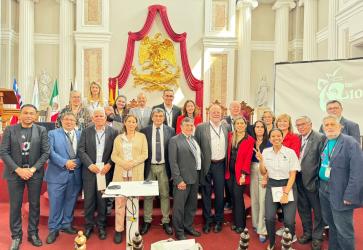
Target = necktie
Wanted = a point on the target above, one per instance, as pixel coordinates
(158, 145)
(72, 154)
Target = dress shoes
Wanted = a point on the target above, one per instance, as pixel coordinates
(192, 232)
(206, 228)
(117, 238)
(304, 239)
(102, 233)
(88, 232)
(52, 236)
(34, 239)
(181, 237)
(218, 227)
(316, 245)
(15, 244)
(145, 228)
(239, 230)
(168, 229)
(69, 230)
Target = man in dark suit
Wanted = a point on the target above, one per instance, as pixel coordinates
(24, 151)
(307, 183)
(341, 186)
(212, 137)
(171, 111)
(157, 168)
(63, 176)
(94, 150)
(185, 159)
(335, 108)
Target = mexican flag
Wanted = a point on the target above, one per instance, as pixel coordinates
(54, 103)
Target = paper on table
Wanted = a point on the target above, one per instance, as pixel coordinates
(101, 179)
(277, 194)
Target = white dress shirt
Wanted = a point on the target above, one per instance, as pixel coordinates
(218, 142)
(304, 141)
(153, 146)
(280, 164)
(100, 144)
(169, 116)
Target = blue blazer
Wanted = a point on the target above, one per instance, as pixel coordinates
(346, 174)
(59, 155)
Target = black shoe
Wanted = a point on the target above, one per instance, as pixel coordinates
(239, 230)
(206, 228)
(218, 227)
(145, 228)
(316, 245)
(117, 238)
(102, 233)
(304, 239)
(34, 239)
(227, 206)
(168, 229)
(88, 232)
(52, 236)
(69, 230)
(192, 232)
(181, 237)
(233, 227)
(15, 244)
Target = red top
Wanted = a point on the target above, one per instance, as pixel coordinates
(292, 141)
(243, 159)
(197, 120)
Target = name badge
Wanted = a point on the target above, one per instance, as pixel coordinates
(327, 171)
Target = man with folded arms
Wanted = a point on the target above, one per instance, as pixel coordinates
(24, 151)
(185, 160)
(63, 176)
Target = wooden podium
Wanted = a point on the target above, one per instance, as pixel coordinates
(7, 96)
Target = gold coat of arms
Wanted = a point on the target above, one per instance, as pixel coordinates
(158, 64)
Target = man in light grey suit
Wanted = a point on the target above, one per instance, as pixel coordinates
(335, 108)
(307, 183)
(212, 137)
(185, 161)
(142, 112)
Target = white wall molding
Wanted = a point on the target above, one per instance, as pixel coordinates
(322, 35)
(42, 38)
(9, 35)
(263, 45)
(220, 42)
(349, 12)
(296, 44)
(92, 37)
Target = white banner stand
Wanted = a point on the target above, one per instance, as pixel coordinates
(132, 190)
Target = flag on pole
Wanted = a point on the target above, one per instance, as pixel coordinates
(54, 102)
(55, 94)
(72, 86)
(35, 99)
(14, 119)
(116, 89)
(111, 101)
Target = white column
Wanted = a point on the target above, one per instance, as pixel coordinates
(66, 42)
(332, 29)
(310, 50)
(243, 85)
(26, 49)
(282, 8)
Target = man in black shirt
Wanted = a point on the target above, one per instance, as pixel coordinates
(24, 151)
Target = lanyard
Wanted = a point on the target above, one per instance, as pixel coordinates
(219, 132)
(168, 117)
(331, 151)
(99, 138)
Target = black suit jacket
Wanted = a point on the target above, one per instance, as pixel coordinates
(87, 151)
(310, 161)
(168, 133)
(10, 151)
(176, 112)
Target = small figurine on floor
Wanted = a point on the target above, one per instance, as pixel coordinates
(80, 241)
(286, 241)
(137, 242)
(244, 240)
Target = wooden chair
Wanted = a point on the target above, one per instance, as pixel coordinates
(247, 112)
(132, 104)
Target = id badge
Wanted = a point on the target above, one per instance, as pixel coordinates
(327, 172)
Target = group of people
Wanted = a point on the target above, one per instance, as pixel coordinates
(318, 174)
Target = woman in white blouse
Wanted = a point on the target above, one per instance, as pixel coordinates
(280, 164)
(129, 153)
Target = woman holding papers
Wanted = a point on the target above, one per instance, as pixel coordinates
(129, 153)
(237, 174)
(280, 164)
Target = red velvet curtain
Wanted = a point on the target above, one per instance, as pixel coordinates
(193, 83)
